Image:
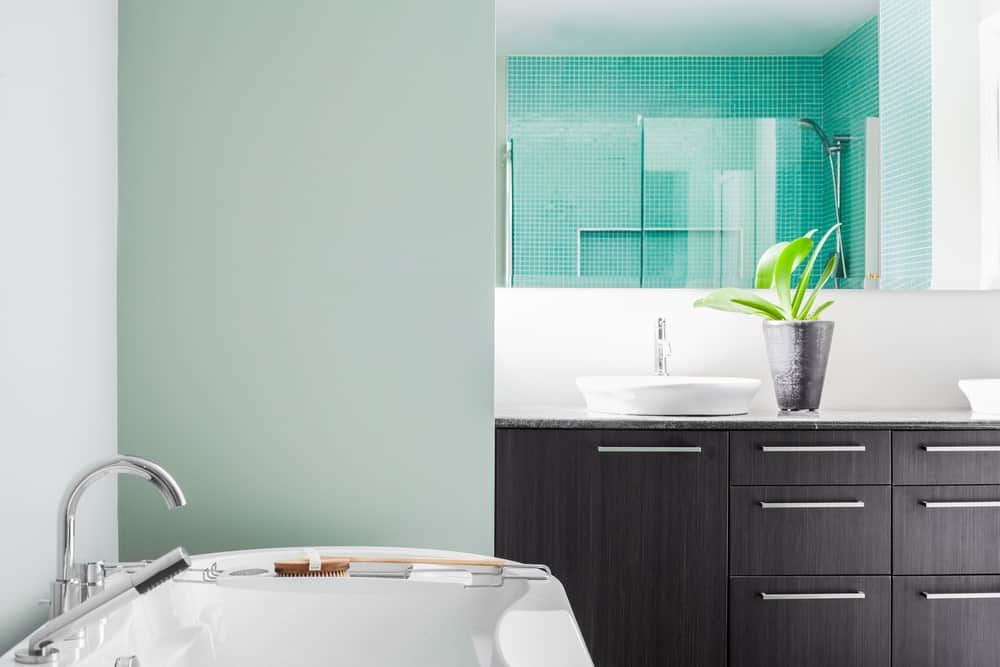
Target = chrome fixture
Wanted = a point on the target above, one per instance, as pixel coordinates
(828, 146)
(75, 582)
(625, 449)
(858, 595)
(821, 449)
(833, 150)
(961, 596)
(118, 591)
(662, 347)
(128, 661)
(812, 505)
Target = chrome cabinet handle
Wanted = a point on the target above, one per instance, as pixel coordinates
(611, 449)
(961, 596)
(782, 449)
(958, 504)
(859, 595)
(845, 505)
(960, 448)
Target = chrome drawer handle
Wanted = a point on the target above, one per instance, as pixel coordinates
(782, 449)
(602, 449)
(960, 448)
(958, 504)
(845, 505)
(961, 596)
(813, 596)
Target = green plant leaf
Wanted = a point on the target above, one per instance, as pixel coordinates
(764, 277)
(824, 277)
(819, 311)
(765, 266)
(763, 308)
(732, 300)
(800, 291)
(788, 261)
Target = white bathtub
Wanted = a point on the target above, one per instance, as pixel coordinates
(433, 618)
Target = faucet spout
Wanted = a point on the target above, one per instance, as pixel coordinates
(124, 588)
(662, 348)
(66, 538)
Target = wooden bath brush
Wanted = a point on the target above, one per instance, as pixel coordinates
(328, 567)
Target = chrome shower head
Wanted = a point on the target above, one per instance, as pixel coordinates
(814, 126)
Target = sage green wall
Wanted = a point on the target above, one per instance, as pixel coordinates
(306, 271)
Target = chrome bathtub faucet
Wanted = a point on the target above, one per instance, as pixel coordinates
(662, 348)
(76, 582)
(43, 647)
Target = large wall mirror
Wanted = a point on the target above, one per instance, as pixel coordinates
(667, 143)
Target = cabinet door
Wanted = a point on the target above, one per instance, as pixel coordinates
(661, 557)
(546, 492)
(946, 621)
(633, 523)
(814, 621)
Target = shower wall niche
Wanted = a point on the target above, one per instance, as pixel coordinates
(677, 171)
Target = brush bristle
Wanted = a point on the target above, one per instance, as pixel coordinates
(329, 567)
(313, 573)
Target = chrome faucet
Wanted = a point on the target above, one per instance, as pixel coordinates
(42, 648)
(662, 347)
(75, 582)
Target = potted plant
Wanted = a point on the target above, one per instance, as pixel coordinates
(797, 341)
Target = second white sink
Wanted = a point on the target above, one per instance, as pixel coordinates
(983, 395)
(669, 395)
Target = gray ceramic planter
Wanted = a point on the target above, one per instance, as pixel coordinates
(798, 352)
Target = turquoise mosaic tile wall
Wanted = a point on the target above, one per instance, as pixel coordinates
(586, 174)
(851, 95)
(603, 199)
(905, 92)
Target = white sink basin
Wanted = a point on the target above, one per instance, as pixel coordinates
(670, 395)
(983, 395)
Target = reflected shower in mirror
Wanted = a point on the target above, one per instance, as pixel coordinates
(668, 144)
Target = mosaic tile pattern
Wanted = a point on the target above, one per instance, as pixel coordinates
(571, 181)
(905, 95)
(850, 95)
(717, 170)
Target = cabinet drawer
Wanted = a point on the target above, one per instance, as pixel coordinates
(810, 530)
(951, 621)
(946, 457)
(946, 529)
(815, 621)
(811, 457)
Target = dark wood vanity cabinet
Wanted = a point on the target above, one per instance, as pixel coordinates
(763, 548)
(618, 516)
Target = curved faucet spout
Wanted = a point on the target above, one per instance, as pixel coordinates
(123, 465)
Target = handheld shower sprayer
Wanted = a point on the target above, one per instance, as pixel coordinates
(833, 149)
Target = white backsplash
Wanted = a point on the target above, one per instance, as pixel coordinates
(891, 350)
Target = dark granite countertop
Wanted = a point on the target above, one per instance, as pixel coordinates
(578, 417)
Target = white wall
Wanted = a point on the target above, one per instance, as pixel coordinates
(58, 128)
(955, 144)
(891, 349)
(989, 151)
